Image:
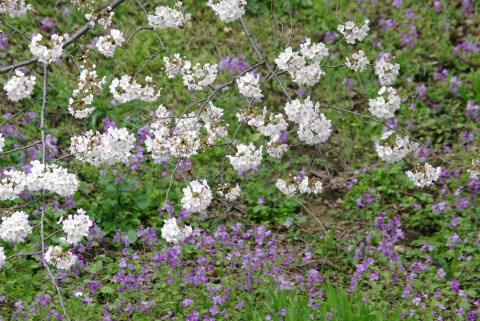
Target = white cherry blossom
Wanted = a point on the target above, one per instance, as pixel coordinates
(49, 51)
(425, 175)
(246, 157)
(197, 196)
(76, 227)
(59, 259)
(15, 228)
(394, 151)
(228, 10)
(166, 17)
(19, 86)
(249, 86)
(385, 106)
(14, 8)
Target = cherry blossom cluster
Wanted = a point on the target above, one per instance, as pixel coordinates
(246, 157)
(212, 116)
(47, 52)
(386, 71)
(172, 233)
(424, 175)
(295, 64)
(313, 128)
(106, 45)
(132, 91)
(275, 148)
(179, 140)
(359, 61)
(395, 150)
(385, 106)
(300, 184)
(228, 10)
(14, 8)
(352, 32)
(15, 228)
(59, 259)
(474, 169)
(103, 18)
(76, 227)
(196, 196)
(3, 257)
(89, 82)
(166, 17)
(271, 127)
(109, 148)
(82, 4)
(229, 192)
(19, 86)
(249, 86)
(2, 142)
(175, 66)
(52, 177)
(205, 75)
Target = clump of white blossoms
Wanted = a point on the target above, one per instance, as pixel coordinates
(275, 148)
(15, 228)
(19, 86)
(106, 45)
(52, 177)
(2, 257)
(109, 148)
(424, 175)
(76, 227)
(359, 61)
(59, 259)
(89, 82)
(49, 51)
(166, 17)
(79, 108)
(212, 116)
(172, 233)
(197, 76)
(386, 71)
(2, 142)
(249, 86)
(180, 139)
(229, 192)
(132, 91)
(246, 158)
(296, 66)
(309, 75)
(104, 19)
(196, 196)
(14, 8)
(474, 169)
(385, 106)
(290, 61)
(267, 126)
(395, 150)
(313, 51)
(352, 32)
(303, 185)
(313, 128)
(228, 10)
(175, 66)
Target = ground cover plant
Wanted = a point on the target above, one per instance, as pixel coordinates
(243, 160)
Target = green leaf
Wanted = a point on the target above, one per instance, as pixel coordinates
(132, 236)
(142, 200)
(95, 267)
(107, 289)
